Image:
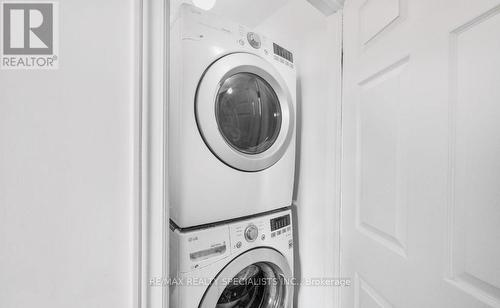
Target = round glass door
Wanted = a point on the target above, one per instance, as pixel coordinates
(259, 285)
(245, 112)
(258, 278)
(248, 113)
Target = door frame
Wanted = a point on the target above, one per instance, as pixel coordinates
(336, 150)
(152, 32)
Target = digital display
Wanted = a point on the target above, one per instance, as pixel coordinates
(282, 52)
(280, 222)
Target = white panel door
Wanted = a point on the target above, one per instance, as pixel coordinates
(421, 153)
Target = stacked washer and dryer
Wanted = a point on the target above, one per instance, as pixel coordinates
(231, 130)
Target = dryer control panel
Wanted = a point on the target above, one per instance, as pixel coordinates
(226, 37)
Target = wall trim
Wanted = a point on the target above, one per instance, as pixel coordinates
(154, 42)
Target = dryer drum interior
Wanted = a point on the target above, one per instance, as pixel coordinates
(248, 113)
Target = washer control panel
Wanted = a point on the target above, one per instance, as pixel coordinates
(201, 247)
(261, 231)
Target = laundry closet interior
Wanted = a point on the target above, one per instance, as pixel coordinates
(253, 137)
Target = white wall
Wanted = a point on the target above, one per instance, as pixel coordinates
(69, 164)
(316, 40)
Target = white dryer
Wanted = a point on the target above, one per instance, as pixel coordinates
(244, 263)
(231, 121)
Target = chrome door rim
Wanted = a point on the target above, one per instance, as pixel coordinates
(206, 95)
(258, 255)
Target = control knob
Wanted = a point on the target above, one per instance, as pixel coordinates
(251, 233)
(253, 40)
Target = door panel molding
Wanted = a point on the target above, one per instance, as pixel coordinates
(385, 88)
(377, 17)
(471, 214)
(371, 295)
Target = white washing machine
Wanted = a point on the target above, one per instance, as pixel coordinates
(231, 121)
(244, 263)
